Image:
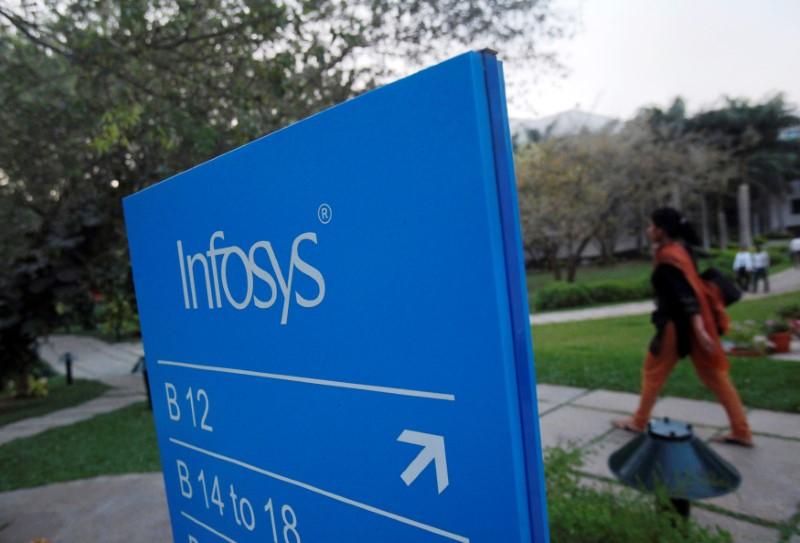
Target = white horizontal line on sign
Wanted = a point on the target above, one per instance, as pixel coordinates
(321, 492)
(312, 381)
(207, 527)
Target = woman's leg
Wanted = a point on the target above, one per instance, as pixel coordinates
(719, 381)
(654, 374)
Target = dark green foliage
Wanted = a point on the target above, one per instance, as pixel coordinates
(789, 311)
(586, 511)
(750, 132)
(123, 441)
(634, 286)
(117, 318)
(723, 260)
(101, 98)
(565, 295)
(780, 235)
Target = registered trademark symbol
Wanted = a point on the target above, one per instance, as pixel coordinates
(324, 213)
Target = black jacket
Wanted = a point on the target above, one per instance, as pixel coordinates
(675, 301)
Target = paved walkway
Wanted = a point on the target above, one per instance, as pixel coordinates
(120, 509)
(780, 283)
(94, 359)
(767, 501)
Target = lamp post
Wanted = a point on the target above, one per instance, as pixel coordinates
(668, 457)
(67, 359)
(141, 366)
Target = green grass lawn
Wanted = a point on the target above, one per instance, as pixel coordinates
(61, 396)
(609, 353)
(123, 441)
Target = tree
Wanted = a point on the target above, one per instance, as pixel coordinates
(562, 198)
(690, 167)
(104, 97)
(750, 134)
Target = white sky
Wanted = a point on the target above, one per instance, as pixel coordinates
(630, 53)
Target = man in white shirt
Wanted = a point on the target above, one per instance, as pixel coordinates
(760, 268)
(794, 248)
(743, 265)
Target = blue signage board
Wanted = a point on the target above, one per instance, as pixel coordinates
(336, 327)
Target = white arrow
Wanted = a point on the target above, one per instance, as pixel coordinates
(432, 450)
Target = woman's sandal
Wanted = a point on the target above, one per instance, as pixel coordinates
(730, 439)
(627, 425)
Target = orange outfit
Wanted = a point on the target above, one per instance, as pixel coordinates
(712, 368)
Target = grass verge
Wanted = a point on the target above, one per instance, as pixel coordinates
(608, 354)
(123, 441)
(581, 512)
(60, 396)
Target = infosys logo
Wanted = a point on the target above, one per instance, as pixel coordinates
(259, 262)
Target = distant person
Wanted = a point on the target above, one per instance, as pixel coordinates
(794, 248)
(743, 267)
(760, 268)
(685, 325)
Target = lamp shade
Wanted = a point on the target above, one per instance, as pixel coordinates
(668, 456)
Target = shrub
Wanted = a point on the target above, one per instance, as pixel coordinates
(778, 255)
(776, 327)
(37, 387)
(780, 235)
(564, 295)
(116, 317)
(723, 260)
(789, 312)
(743, 335)
(580, 513)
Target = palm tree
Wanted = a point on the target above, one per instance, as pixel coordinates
(750, 134)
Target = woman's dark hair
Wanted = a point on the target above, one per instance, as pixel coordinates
(675, 225)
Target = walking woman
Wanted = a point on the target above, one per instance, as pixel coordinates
(685, 325)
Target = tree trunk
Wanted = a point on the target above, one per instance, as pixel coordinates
(641, 231)
(745, 229)
(572, 269)
(675, 196)
(555, 265)
(722, 224)
(575, 259)
(21, 385)
(704, 227)
(757, 230)
(778, 206)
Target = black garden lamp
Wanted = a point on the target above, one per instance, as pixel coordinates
(68, 358)
(669, 457)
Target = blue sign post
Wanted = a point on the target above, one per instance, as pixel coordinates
(336, 327)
